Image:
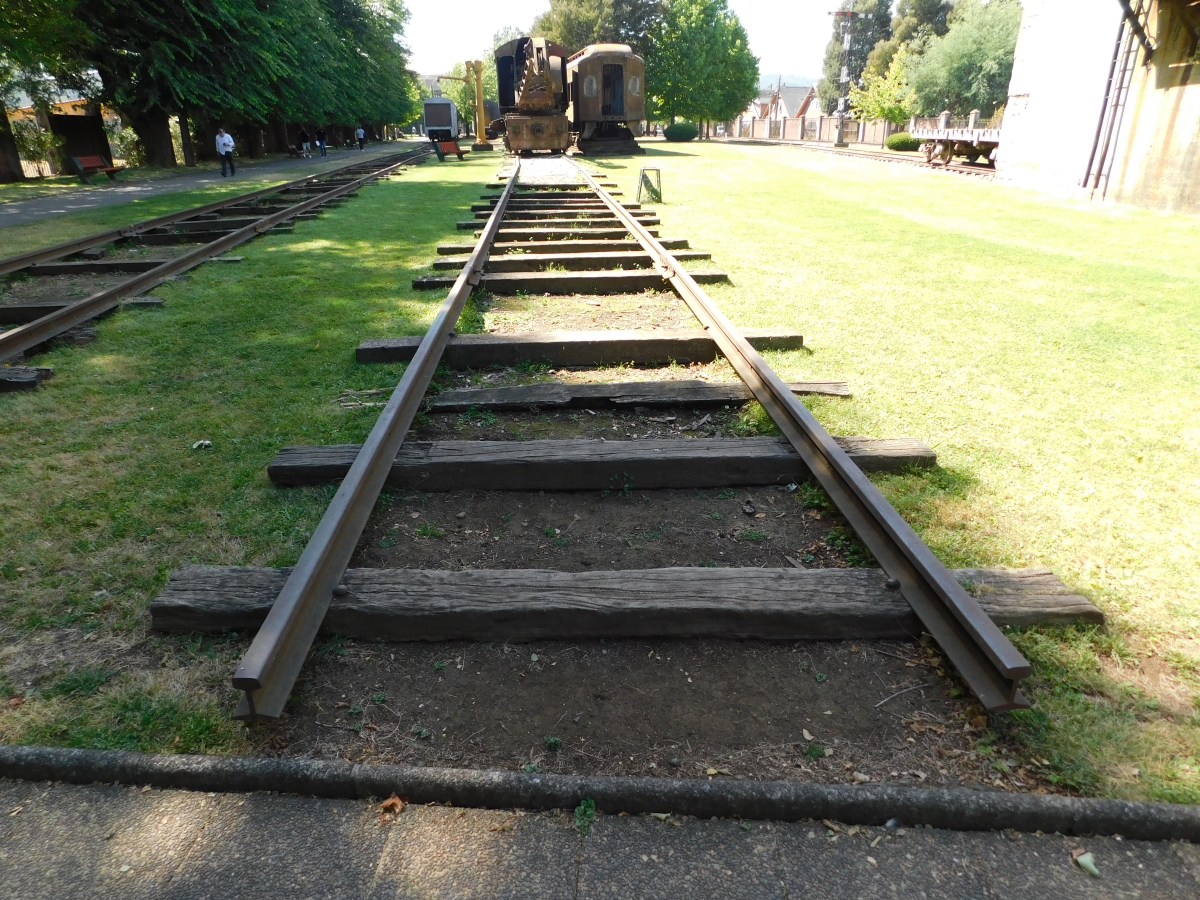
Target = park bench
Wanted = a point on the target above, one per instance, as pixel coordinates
(444, 147)
(91, 165)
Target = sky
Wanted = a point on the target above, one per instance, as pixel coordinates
(788, 38)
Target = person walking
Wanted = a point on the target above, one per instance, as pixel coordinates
(225, 151)
(362, 139)
(320, 135)
(304, 143)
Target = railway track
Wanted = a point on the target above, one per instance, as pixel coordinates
(213, 227)
(544, 214)
(959, 168)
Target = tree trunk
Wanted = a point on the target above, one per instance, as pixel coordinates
(185, 138)
(251, 141)
(204, 140)
(10, 159)
(153, 128)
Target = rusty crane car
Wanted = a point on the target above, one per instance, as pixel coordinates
(531, 77)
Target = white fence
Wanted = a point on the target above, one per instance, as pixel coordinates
(818, 129)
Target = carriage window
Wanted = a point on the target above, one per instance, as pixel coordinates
(612, 100)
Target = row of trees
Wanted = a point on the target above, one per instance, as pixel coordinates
(698, 61)
(236, 62)
(932, 55)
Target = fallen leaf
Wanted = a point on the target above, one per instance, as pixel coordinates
(724, 772)
(871, 860)
(393, 805)
(1085, 860)
(860, 778)
(710, 771)
(807, 734)
(875, 843)
(14, 702)
(662, 817)
(831, 825)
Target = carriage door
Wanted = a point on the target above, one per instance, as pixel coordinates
(612, 97)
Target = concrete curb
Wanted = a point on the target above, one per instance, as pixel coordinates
(957, 809)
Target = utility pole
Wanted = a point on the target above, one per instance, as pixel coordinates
(845, 19)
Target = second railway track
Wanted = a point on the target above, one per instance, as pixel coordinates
(213, 229)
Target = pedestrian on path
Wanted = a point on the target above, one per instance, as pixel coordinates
(304, 143)
(225, 151)
(321, 139)
(362, 138)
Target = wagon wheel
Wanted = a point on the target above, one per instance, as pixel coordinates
(945, 153)
(928, 148)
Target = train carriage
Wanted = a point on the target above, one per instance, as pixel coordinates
(607, 88)
(531, 83)
(441, 119)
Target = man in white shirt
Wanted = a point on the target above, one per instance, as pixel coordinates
(225, 151)
(362, 138)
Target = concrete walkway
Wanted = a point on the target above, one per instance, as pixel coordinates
(252, 173)
(102, 841)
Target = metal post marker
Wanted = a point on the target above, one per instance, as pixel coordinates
(653, 189)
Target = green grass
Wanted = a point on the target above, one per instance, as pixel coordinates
(100, 491)
(1048, 349)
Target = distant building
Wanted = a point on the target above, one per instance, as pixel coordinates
(1105, 98)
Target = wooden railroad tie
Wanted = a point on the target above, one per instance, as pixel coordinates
(614, 281)
(537, 604)
(593, 465)
(627, 395)
(500, 250)
(583, 349)
(608, 258)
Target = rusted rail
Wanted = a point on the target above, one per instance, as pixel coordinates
(987, 661)
(269, 669)
(33, 334)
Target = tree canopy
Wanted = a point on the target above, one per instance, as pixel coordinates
(700, 66)
(968, 67)
(915, 22)
(885, 96)
(237, 61)
(577, 23)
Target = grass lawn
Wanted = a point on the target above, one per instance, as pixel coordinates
(1046, 348)
(57, 229)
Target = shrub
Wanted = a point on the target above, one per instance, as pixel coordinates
(681, 131)
(902, 140)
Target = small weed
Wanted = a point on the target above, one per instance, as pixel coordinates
(80, 683)
(727, 494)
(482, 417)
(427, 530)
(624, 486)
(8, 571)
(472, 319)
(379, 699)
(715, 516)
(647, 535)
(561, 542)
(753, 420)
(813, 496)
(549, 532)
(708, 564)
(746, 826)
(390, 539)
(846, 542)
(335, 645)
(553, 743)
(422, 733)
(585, 814)
(815, 751)
(750, 534)
(529, 367)
(356, 711)
(439, 666)
(821, 677)
(531, 768)
(507, 517)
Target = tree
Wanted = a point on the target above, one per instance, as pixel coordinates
(36, 43)
(970, 66)
(577, 23)
(699, 64)
(885, 96)
(871, 25)
(915, 22)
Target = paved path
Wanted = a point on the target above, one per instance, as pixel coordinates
(250, 172)
(101, 841)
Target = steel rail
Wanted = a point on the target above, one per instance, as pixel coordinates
(985, 658)
(271, 665)
(24, 260)
(39, 331)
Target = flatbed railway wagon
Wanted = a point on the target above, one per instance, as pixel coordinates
(943, 138)
(531, 80)
(441, 119)
(607, 88)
